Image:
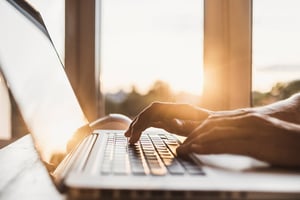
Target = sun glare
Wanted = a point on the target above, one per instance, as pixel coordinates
(55, 138)
(150, 41)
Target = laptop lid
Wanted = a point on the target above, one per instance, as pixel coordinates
(37, 80)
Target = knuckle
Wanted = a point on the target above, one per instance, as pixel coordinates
(134, 126)
(154, 106)
(254, 117)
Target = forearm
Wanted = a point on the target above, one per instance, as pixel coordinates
(287, 110)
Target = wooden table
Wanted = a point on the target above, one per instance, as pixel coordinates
(22, 174)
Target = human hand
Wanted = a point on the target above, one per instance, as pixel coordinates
(180, 119)
(251, 134)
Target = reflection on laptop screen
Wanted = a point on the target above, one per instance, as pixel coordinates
(38, 82)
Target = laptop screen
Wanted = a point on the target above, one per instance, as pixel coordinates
(38, 82)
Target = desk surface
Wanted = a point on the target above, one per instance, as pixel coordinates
(22, 174)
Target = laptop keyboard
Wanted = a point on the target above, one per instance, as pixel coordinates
(154, 154)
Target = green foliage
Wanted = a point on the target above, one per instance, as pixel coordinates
(135, 102)
(278, 92)
(132, 103)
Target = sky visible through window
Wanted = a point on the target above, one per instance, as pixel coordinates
(148, 40)
(143, 41)
(276, 42)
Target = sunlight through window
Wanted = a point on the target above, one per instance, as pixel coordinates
(149, 43)
(276, 49)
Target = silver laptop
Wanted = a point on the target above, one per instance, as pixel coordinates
(102, 164)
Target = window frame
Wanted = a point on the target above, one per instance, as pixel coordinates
(227, 54)
(80, 54)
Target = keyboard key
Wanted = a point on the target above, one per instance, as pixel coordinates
(191, 167)
(175, 168)
(153, 154)
(136, 160)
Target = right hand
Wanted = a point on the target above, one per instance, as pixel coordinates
(257, 135)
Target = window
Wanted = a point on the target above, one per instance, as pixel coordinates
(146, 34)
(226, 79)
(148, 48)
(227, 54)
(276, 50)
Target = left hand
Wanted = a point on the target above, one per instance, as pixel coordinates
(180, 119)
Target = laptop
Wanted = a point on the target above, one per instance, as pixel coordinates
(102, 165)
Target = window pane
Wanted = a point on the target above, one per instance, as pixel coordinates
(150, 45)
(276, 49)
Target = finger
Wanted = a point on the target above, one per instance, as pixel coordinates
(173, 126)
(176, 126)
(217, 134)
(223, 133)
(238, 121)
(231, 146)
(248, 127)
(206, 126)
(262, 147)
(128, 131)
(261, 150)
(160, 112)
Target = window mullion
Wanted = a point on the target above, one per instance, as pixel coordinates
(227, 54)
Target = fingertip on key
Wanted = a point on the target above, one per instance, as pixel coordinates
(127, 133)
(182, 150)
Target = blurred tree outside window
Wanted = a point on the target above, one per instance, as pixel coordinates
(276, 50)
(151, 50)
